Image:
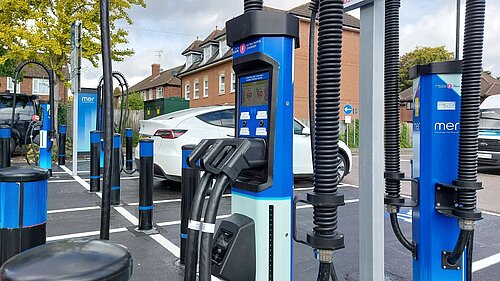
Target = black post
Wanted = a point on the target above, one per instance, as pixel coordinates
(62, 145)
(95, 159)
(146, 185)
(4, 146)
(189, 182)
(128, 149)
(115, 170)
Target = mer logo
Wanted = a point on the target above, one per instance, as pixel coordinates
(88, 99)
(450, 127)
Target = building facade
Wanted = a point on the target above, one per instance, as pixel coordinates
(34, 82)
(160, 84)
(208, 77)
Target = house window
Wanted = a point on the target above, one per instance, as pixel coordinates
(159, 92)
(222, 84)
(150, 97)
(187, 92)
(205, 88)
(40, 86)
(223, 48)
(409, 105)
(196, 90)
(233, 82)
(10, 85)
(207, 53)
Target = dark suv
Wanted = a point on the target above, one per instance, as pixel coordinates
(26, 107)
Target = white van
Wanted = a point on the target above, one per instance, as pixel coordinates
(489, 132)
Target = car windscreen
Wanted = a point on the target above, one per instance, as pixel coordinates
(24, 109)
(490, 119)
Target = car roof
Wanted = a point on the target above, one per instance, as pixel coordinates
(191, 112)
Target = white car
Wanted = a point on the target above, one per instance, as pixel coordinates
(171, 131)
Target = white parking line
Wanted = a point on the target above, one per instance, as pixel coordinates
(83, 234)
(73, 210)
(131, 218)
(487, 262)
(78, 179)
(165, 243)
(88, 180)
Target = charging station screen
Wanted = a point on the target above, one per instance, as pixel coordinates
(254, 93)
(254, 105)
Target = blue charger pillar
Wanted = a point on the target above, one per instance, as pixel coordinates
(436, 121)
(263, 45)
(23, 209)
(45, 141)
(101, 161)
(4, 147)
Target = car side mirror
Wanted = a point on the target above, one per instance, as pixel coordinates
(306, 131)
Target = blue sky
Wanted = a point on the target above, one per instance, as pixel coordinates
(170, 26)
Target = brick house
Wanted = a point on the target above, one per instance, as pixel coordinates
(160, 84)
(34, 82)
(208, 77)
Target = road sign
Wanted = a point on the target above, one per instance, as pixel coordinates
(348, 119)
(348, 109)
(350, 5)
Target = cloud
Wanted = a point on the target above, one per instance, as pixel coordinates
(428, 23)
(170, 26)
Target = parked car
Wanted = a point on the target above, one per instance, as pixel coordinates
(171, 131)
(26, 107)
(489, 132)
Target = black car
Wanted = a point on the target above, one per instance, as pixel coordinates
(26, 107)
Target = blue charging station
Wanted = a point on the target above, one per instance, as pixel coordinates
(45, 140)
(436, 120)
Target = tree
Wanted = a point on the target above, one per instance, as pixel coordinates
(135, 101)
(7, 68)
(41, 30)
(419, 56)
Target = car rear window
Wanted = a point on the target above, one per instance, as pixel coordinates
(213, 118)
(24, 108)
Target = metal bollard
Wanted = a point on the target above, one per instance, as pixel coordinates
(95, 159)
(115, 172)
(4, 147)
(128, 149)
(189, 182)
(146, 184)
(62, 145)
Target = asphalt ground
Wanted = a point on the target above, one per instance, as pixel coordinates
(74, 212)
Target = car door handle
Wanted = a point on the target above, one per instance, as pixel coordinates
(231, 136)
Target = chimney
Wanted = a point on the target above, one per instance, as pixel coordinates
(155, 70)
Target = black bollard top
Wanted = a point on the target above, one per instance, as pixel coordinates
(76, 259)
(23, 174)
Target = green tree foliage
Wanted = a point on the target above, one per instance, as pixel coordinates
(419, 56)
(135, 101)
(41, 30)
(7, 68)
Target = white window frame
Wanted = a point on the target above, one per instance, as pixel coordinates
(205, 88)
(159, 92)
(222, 84)
(10, 85)
(150, 95)
(207, 53)
(196, 90)
(36, 86)
(187, 91)
(233, 82)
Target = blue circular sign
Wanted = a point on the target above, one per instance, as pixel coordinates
(348, 109)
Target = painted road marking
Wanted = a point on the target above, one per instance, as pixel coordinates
(131, 218)
(84, 234)
(73, 210)
(78, 179)
(88, 180)
(484, 263)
